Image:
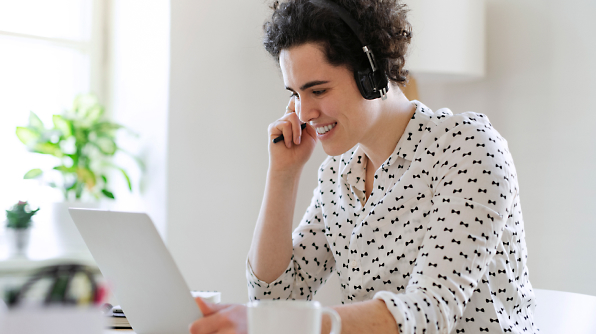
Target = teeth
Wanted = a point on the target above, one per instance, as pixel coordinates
(325, 129)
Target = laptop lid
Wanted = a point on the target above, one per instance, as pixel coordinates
(132, 256)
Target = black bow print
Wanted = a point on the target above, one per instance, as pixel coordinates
(471, 237)
(450, 259)
(388, 282)
(476, 162)
(482, 191)
(432, 264)
(464, 255)
(469, 319)
(490, 155)
(443, 277)
(465, 171)
(437, 285)
(494, 320)
(478, 220)
(464, 224)
(456, 241)
(479, 309)
(483, 329)
(502, 290)
(457, 133)
(441, 247)
(456, 212)
(450, 230)
(266, 293)
(486, 172)
(492, 202)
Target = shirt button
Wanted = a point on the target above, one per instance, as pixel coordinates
(354, 263)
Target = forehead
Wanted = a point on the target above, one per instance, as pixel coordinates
(304, 63)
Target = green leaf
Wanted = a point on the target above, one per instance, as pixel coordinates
(106, 145)
(62, 124)
(94, 113)
(126, 177)
(87, 177)
(27, 136)
(105, 127)
(65, 169)
(36, 172)
(35, 122)
(107, 194)
(48, 148)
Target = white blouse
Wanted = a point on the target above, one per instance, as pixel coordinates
(440, 240)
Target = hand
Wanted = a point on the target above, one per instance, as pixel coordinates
(298, 145)
(220, 318)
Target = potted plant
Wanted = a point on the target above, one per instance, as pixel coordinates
(18, 220)
(83, 141)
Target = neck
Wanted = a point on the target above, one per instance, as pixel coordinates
(391, 118)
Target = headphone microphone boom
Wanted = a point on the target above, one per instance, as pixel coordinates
(371, 81)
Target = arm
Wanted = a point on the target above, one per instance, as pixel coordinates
(271, 248)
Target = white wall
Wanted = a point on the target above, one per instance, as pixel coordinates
(225, 90)
(138, 72)
(538, 93)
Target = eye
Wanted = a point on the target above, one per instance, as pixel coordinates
(294, 94)
(318, 92)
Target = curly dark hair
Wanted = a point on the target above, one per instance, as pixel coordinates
(383, 24)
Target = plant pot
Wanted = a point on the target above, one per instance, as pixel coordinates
(18, 239)
(68, 237)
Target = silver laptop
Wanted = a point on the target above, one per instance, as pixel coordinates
(146, 281)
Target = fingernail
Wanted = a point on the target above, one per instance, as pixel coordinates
(299, 139)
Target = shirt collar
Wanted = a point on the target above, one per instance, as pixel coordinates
(351, 163)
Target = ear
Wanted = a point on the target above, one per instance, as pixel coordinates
(209, 308)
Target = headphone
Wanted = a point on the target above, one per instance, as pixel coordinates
(371, 81)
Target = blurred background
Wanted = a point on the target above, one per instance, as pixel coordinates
(192, 80)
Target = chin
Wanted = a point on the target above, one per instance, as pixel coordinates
(333, 150)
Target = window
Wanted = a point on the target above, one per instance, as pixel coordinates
(50, 51)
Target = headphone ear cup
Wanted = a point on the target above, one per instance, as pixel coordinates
(371, 83)
(365, 82)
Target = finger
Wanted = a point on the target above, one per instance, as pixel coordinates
(296, 130)
(291, 105)
(208, 308)
(213, 323)
(285, 127)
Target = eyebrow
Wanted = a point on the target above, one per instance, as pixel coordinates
(309, 84)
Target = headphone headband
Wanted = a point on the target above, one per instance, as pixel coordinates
(372, 84)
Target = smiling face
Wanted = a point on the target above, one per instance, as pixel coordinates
(326, 97)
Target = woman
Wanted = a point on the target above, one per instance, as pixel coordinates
(417, 211)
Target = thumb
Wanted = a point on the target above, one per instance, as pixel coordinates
(208, 308)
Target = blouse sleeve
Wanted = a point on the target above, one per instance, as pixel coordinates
(312, 262)
(473, 195)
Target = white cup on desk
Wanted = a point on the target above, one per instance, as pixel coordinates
(289, 317)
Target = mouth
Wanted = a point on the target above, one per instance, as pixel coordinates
(321, 130)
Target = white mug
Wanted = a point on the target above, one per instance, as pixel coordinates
(289, 317)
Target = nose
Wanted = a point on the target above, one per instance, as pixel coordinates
(306, 110)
